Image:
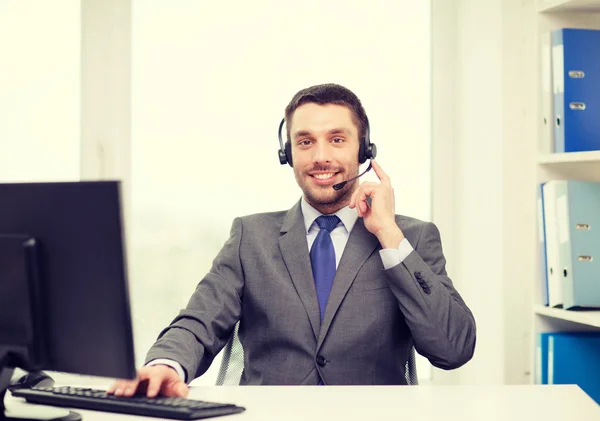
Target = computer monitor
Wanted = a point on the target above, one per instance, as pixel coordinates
(64, 300)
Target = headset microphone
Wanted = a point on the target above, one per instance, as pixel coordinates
(339, 186)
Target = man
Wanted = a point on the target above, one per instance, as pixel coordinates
(337, 290)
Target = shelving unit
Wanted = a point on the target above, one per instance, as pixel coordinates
(555, 14)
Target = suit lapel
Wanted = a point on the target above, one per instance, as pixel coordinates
(294, 249)
(360, 246)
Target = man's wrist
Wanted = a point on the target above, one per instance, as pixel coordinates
(171, 364)
(390, 237)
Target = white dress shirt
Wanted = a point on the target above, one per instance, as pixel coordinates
(340, 234)
(339, 237)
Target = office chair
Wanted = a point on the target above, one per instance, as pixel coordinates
(232, 363)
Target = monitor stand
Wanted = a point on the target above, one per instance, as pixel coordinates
(18, 411)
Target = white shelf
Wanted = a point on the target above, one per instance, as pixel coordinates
(570, 157)
(583, 166)
(569, 6)
(588, 318)
(591, 157)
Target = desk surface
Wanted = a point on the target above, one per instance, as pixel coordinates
(420, 403)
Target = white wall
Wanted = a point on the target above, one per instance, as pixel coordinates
(210, 83)
(39, 90)
(519, 108)
(484, 146)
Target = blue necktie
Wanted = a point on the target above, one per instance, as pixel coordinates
(322, 259)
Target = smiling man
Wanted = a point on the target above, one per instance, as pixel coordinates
(336, 291)
(319, 134)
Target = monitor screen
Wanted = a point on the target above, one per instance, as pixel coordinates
(80, 321)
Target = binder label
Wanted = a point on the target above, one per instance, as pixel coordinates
(578, 106)
(576, 74)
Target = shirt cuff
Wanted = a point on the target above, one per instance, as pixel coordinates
(173, 364)
(393, 257)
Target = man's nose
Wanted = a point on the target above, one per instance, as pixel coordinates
(322, 152)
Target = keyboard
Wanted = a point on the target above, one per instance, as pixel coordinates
(99, 400)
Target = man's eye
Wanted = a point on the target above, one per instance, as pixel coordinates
(304, 142)
(337, 140)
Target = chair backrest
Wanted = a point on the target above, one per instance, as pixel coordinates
(232, 363)
(410, 368)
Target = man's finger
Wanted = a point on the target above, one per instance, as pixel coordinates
(112, 387)
(358, 207)
(119, 384)
(359, 196)
(353, 198)
(383, 177)
(177, 389)
(365, 189)
(123, 387)
(131, 388)
(361, 203)
(183, 390)
(363, 206)
(154, 384)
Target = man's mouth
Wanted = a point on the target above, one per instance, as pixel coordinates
(324, 176)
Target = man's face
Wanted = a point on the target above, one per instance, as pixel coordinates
(324, 140)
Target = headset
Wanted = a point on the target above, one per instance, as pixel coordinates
(366, 149)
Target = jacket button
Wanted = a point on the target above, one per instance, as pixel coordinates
(321, 361)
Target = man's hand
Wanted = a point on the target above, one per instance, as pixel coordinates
(152, 380)
(379, 217)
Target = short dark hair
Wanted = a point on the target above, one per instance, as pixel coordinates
(328, 93)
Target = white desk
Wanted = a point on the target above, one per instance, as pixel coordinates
(420, 403)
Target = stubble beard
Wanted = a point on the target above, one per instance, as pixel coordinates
(326, 199)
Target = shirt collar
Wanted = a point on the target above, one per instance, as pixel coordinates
(347, 216)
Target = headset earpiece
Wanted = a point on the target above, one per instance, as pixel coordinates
(282, 158)
(362, 156)
(288, 153)
(285, 152)
(366, 149)
(371, 152)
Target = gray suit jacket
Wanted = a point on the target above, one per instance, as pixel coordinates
(262, 277)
